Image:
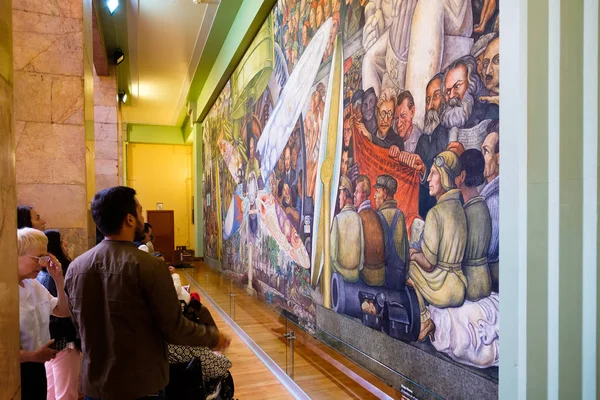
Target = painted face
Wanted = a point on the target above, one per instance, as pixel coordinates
(456, 82)
(304, 35)
(37, 222)
(294, 158)
(287, 195)
(491, 66)
(368, 106)
(405, 119)
(379, 196)
(434, 95)
(479, 60)
(251, 148)
(29, 265)
(435, 184)
(287, 159)
(360, 195)
(385, 114)
(342, 198)
(492, 160)
(344, 165)
(470, 333)
(347, 133)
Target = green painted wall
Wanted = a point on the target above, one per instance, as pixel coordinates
(154, 134)
(248, 21)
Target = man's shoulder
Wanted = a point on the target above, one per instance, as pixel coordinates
(125, 252)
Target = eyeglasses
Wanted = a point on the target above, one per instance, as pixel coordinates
(386, 114)
(41, 259)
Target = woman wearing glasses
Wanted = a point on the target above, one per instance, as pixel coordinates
(36, 305)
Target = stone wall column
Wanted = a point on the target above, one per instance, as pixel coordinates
(106, 130)
(48, 40)
(10, 383)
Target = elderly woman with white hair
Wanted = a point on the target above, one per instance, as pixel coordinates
(36, 305)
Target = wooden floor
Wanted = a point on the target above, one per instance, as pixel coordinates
(252, 379)
(320, 371)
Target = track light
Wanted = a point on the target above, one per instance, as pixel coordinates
(119, 56)
(122, 97)
(112, 6)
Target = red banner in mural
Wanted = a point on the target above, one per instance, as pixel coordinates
(373, 161)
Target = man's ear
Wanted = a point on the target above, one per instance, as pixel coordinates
(130, 220)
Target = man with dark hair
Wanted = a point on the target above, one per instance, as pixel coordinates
(479, 226)
(289, 174)
(368, 110)
(491, 192)
(125, 307)
(405, 112)
(395, 237)
(374, 252)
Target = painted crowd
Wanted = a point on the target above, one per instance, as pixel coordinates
(414, 229)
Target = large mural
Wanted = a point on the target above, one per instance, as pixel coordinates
(352, 163)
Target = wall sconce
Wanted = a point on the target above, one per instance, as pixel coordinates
(122, 97)
(119, 56)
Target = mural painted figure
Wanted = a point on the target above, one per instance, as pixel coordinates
(414, 199)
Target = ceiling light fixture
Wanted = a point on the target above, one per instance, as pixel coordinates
(119, 56)
(122, 97)
(112, 6)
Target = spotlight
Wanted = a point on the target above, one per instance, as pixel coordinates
(112, 6)
(122, 97)
(119, 56)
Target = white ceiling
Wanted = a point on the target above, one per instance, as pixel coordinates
(166, 40)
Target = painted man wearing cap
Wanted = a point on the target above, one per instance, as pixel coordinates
(479, 225)
(374, 251)
(347, 240)
(394, 230)
(436, 271)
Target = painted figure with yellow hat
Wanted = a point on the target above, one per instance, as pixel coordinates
(347, 239)
(436, 271)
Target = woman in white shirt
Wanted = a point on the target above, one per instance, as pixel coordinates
(36, 305)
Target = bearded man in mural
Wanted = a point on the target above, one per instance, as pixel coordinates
(433, 141)
(465, 117)
(436, 270)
